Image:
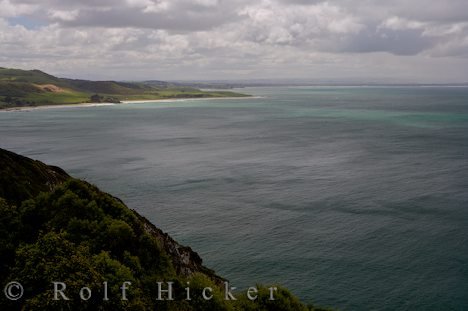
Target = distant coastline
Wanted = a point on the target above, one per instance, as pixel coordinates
(124, 102)
(27, 108)
(33, 88)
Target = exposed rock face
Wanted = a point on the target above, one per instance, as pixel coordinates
(22, 178)
(185, 260)
(50, 88)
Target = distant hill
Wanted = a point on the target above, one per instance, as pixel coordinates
(20, 88)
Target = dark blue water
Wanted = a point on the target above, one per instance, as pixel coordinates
(355, 198)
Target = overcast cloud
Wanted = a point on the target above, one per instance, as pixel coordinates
(392, 40)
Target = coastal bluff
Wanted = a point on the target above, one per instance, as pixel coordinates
(54, 227)
(22, 178)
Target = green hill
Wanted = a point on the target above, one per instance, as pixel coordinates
(54, 228)
(34, 88)
(29, 76)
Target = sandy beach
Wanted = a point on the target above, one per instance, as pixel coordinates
(56, 106)
(124, 102)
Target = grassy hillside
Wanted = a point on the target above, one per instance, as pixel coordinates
(57, 228)
(34, 88)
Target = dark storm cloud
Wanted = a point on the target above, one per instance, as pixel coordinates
(424, 10)
(398, 42)
(168, 15)
(117, 18)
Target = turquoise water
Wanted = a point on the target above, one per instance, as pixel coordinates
(353, 197)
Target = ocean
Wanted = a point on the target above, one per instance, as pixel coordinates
(352, 197)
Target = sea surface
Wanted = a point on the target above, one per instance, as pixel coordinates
(352, 197)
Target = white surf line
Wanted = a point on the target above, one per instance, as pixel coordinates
(167, 100)
(28, 108)
(83, 105)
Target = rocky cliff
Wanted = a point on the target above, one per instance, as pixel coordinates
(54, 227)
(22, 178)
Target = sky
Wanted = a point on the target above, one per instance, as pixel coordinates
(337, 40)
